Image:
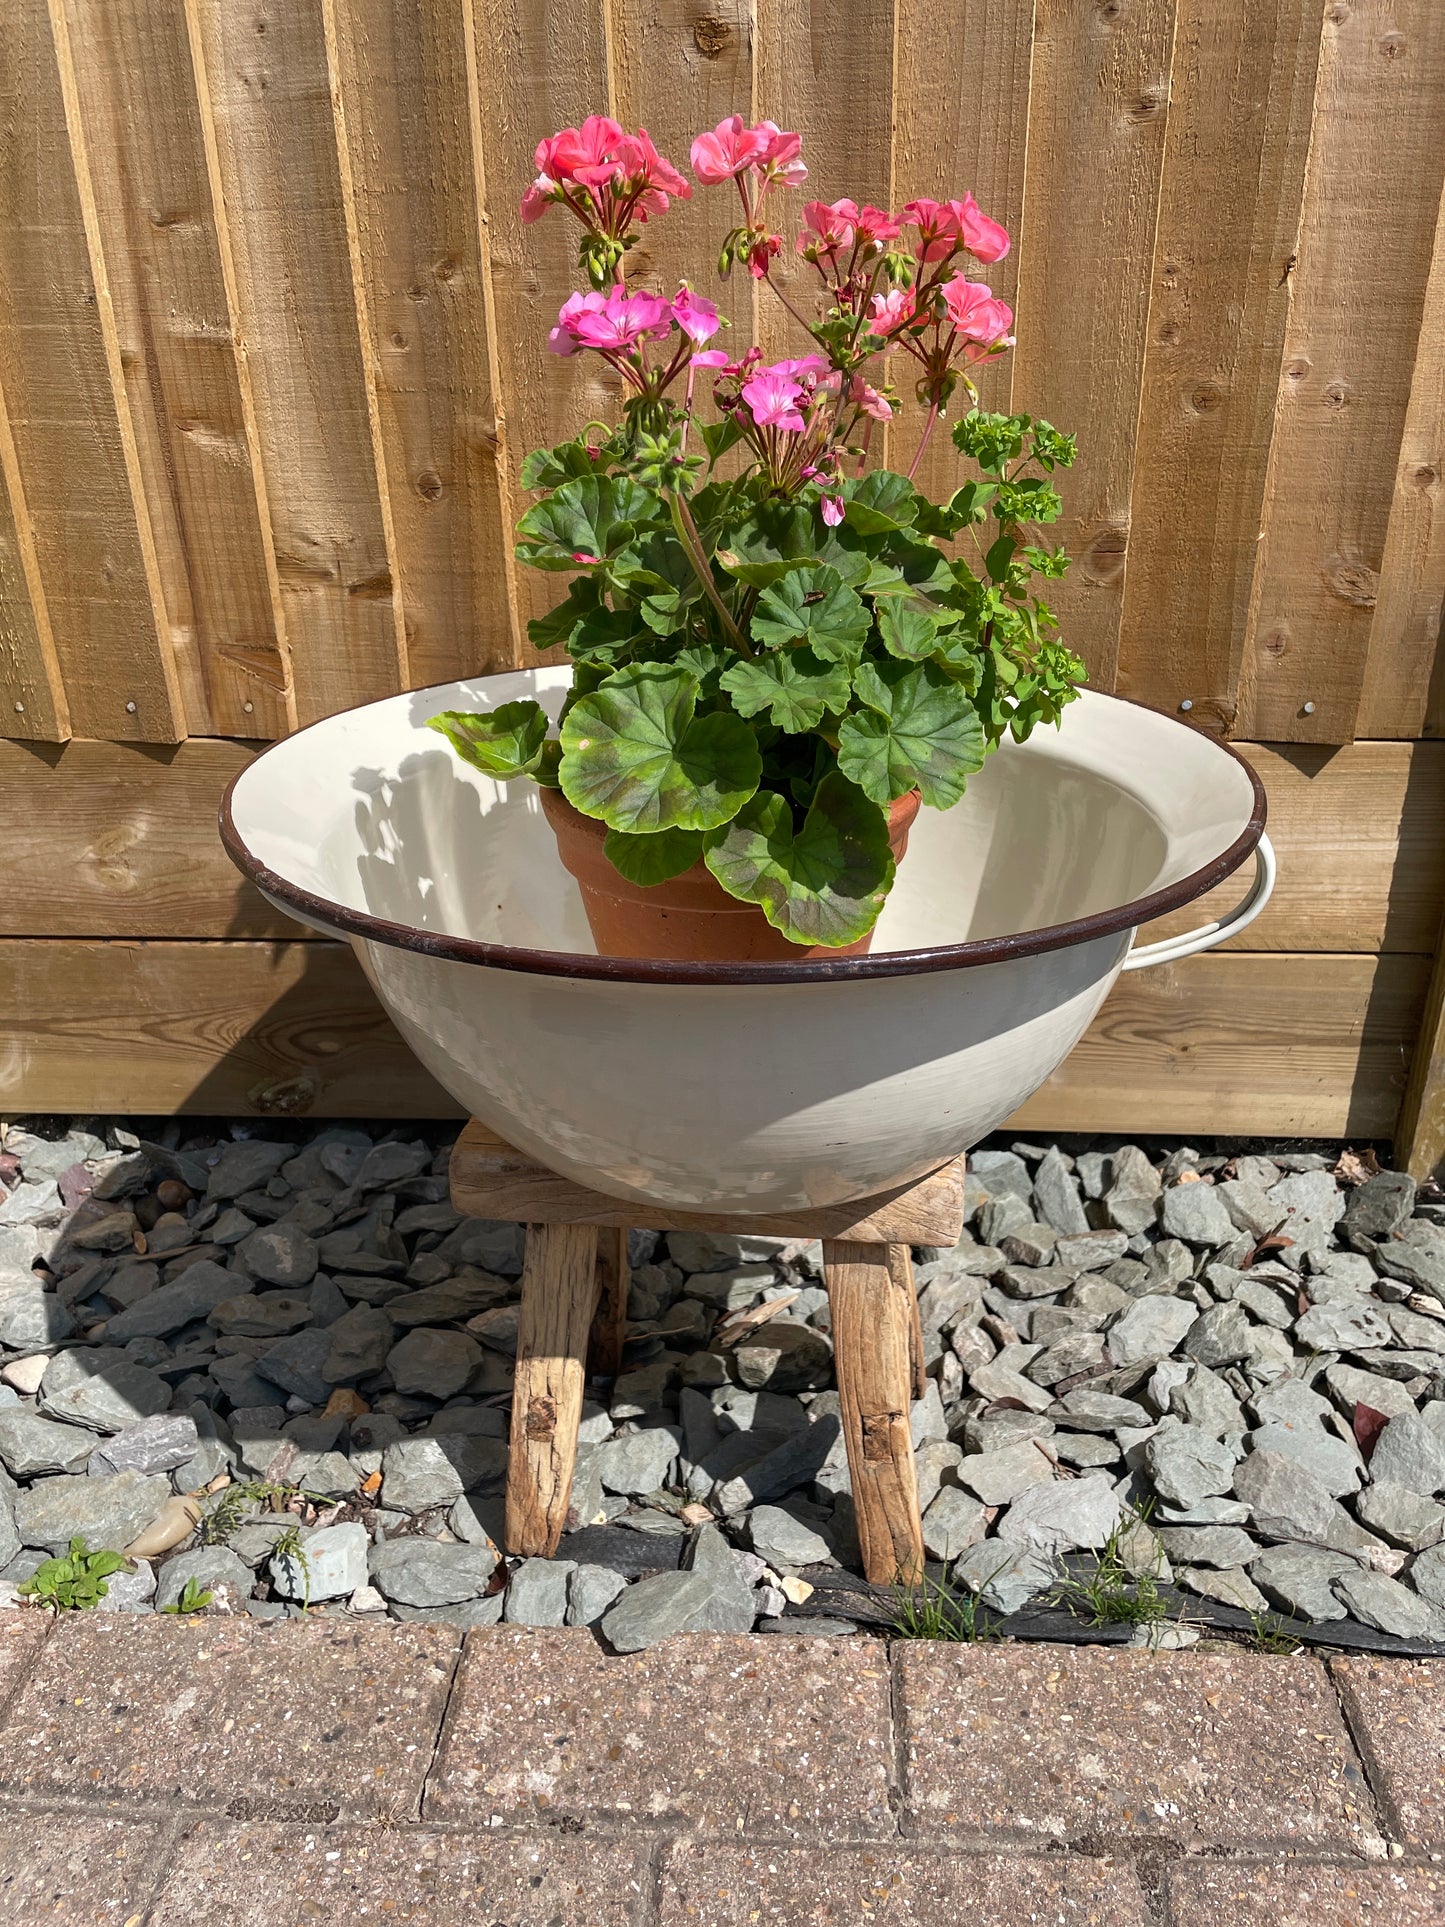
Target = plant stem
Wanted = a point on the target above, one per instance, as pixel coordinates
(692, 542)
(769, 281)
(923, 441)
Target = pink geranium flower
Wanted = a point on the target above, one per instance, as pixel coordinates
(983, 238)
(772, 397)
(623, 320)
(863, 395)
(585, 153)
(564, 340)
(604, 173)
(892, 310)
(832, 510)
(696, 316)
(729, 150)
(827, 228)
(877, 225)
(642, 159)
(946, 226)
(782, 157)
(976, 313)
(711, 358)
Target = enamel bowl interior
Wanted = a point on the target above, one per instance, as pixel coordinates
(744, 1089)
(371, 812)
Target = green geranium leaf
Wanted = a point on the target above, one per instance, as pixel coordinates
(635, 754)
(584, 521)
(706, 661)
(652, 859)
(817, 607)
(551, 467)
(504, 742)
(719, 437)
(824, 884)
(919, 731)
(795, 686)
(776, 538)
(908, 632)
(557, 626)
(881, 503)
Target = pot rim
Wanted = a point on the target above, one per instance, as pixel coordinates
(889, 963)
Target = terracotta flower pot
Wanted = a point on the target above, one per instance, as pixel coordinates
(690, 918)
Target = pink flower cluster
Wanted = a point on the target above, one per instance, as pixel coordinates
(617, 324)
(606, 176)
(758, 158)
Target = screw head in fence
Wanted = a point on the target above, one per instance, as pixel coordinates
(1308, 710)
(1187, 704)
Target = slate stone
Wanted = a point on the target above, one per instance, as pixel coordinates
(101, 1389)
(1312, 1205)
(1248, 1207)
(106, 1513)
(130, 1590)
(420, 1473)
(432, 1362)
(639, 1462)
(249, 1316)
(1187, 1465)
(655, 1608)
(32, 1318)
(1063, 1517)
(1382, 1602)
(1289, 1401)
(453, 1299)
(1056, 1194)
(1195, 1214)
(1001, 1215)
(488, 1244)
(1088, 1410)
(1299, 1580)
(786, 1542)
(359, 1343)
(34, 1447)
(333, 1564)
(244, 1166)
(1090, 1250)
(1001, 1173)
(1341, 1328)
(295, 1364)
(280, 1253)
(1202, 1399)
(784, 1357)
(1266, 1302)
(1400, 1516)
(1416, 1255)
(1287, 1500)
(1150, 1328)
(215, 1569)
(1351, 1386)
(1220, 1545)
(780, 1469)
(1410, 1452)
(1381, 1206)
(590, 1591)
(731, 1606)
(157, 1444)
(1005, 1576)
(1231, 1586)
(1029, 1244)
(999, 1477)
(537, 1593)
(413, 1571)
(1335, 1463)
(193, 1295)
(1219, 1336)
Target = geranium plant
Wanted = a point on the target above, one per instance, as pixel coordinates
(774, 641)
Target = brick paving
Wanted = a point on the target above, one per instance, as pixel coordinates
(168, 1773)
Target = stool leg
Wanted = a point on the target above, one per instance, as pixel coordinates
(559, 1289)
(871, 1342)
(900, 1266)
(609, 1321)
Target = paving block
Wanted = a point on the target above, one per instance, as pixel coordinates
(1397, 1707)
(1294, 1893)
(22, 1634)
(708, 1732)
(75, 1869)
(338, 1876)
(307, 1719)
(913, 1887)
(1230, 1748)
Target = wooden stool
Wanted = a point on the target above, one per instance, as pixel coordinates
(574, 1287)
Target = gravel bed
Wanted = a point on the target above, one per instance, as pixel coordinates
(277, 1365)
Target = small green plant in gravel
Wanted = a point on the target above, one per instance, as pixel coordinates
(1114, 1593)
(930, 1611)
(235, 1503)
(75, 1583)
(288, 1546)
(194, 1599)
(1269, 1634)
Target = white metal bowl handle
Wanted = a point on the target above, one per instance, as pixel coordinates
(1188, 942)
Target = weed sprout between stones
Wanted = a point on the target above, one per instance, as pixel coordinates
(773, 641)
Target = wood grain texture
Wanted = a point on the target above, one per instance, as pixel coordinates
(900, 1267)
(33, 702)
(824, 68)
(1294, 1044)
(1236, 138)
(1404, 689)
(961, 122)
(609, 1320)
(1420, 1133)
(405, 116)
(1098, 105)
(59, 372)
(872, 1330)
(1371, 204)
(133, 833)
(137, 99)
(265, 87)
(1360, 837)
(559, 1290)
(499, 1181)
(538, 65)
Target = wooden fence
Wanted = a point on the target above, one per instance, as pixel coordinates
(272, 348)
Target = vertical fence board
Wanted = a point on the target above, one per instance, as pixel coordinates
(538, 65)
(1237, 138)
(1372, 195)
(825, 68)
(263, 80)
(406, 118)
(32, 693)
(1097, 110)
(1405, 631)
(56, 372)
(148, 166)
(961, 111)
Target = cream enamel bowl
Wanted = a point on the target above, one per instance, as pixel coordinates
(746, 1088)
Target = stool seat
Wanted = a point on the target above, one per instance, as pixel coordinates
(574, 1309)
